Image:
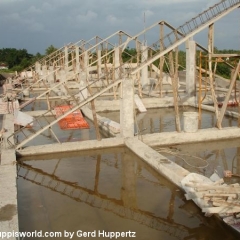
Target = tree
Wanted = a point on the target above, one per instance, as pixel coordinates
(13, 57)
(50, 50)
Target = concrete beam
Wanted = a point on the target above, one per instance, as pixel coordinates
(161, 164)
(71, 147)
(202, 135)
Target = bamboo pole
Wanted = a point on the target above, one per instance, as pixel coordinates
(173, 75)
(210, 50)
(224, 107)
(98, 135)
(161, 59)
(138, 73)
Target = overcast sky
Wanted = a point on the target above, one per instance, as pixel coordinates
(36, 24)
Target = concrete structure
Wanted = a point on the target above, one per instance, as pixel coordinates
(144, 71)
(8, 177)
(191, 68)
(126, 109)
(85, 57)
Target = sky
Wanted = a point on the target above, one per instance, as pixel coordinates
(36, 24)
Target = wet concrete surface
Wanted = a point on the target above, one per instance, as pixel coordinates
(112, 191)
(163, 120)
(7, 212)
(206, 158)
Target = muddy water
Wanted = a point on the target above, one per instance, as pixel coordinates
(163, 120)
(114, 191)
(207, 158)
(111, 191)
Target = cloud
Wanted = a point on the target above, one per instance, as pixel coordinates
(33, 10)
(89, 16)
(60, 21)
(148, 13)
(111, 19)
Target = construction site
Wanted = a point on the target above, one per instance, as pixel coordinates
(93, 142)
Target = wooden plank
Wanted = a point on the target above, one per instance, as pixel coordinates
(222, 209)
(227, 204)
(220, 189)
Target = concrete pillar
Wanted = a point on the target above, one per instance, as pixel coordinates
(190, 68)
(83, 92)
(77, 59)
(127, 108)
(50, 77)
(86, 61)
(66, 57)
(144, 71)
(99, 62)
(38, 68)
(63, 75)
(116, 62)
(44, 72)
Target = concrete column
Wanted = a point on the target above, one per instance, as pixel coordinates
(116, 62)
(50, 77)
(144, 71)
(66, 57)
(38, 68)
(63, 75)
(83, 92)
(190, 68)
(99, 62)
(126, 109)
(44, 72)
(77, 59)
(86, 61)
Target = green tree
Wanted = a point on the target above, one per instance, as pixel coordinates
(50, 50)
(13, 57)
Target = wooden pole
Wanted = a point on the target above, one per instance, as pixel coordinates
(210, 52)
(138, 73)
(98, 135)
(224, 107)
(173, 75)
(200, 92)
(161, 58)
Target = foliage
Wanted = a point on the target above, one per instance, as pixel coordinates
(222, 68)
(13, 57)
(50, 50)
(19, 59)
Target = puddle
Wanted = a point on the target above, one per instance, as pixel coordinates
(114, 191)
(7, 212)
(163, 120)
(109, 190)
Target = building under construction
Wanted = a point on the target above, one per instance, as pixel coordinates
(86, 107)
